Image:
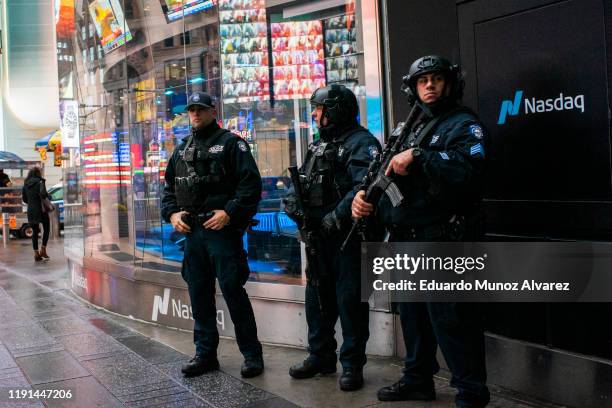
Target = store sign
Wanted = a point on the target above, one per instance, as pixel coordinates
(69, 116)
(535, 105)
(78, 280)
(166, 305)
(544, 112)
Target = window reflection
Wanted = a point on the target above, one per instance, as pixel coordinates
(139, 61)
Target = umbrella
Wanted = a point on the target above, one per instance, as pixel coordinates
(49, 141)
(8, 156)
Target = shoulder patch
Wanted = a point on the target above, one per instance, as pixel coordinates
(434, 139)
(373, 151)
(340, 151)
(216, 149)
(476, 131)
(477, 149)
(242, 146)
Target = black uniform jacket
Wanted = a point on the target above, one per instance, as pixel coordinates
(355, 150)
(239, 191)
(446, 179)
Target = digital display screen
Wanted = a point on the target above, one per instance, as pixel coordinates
(340, 49)
(177, 9)
(298, 59)
(244, 50)
(110, 24)
(64, 17)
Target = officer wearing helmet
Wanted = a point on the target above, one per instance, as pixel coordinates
(333, 168)
(440, 174)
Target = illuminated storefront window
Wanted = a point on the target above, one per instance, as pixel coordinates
(140, 60)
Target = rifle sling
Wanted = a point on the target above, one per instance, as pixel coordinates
(432, 124)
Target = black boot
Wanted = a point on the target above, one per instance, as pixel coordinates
(200, 365)
(252, 367)
(401, 391)
(351, 379)
(311, 367)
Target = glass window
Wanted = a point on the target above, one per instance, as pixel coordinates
(271, 64)
(262, 65)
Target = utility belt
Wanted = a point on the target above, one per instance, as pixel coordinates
(194, 179)
(454, 229)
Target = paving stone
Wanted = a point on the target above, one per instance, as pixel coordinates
(52, 314)
(13, 378)
(110, 327)
(14, 318)
(50, 367)
(169, 394)
(89, 344)
(30, 293)
(45, 348)
(57, 283)
(275, 402)
(218, 388)
(17, 283)
(66, 325)
(86, 392)
(151, 350)
(123, 372)
(10, 372)
(24, 337)
(37, 306)
(6, 361)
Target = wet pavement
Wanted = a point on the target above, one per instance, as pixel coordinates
(50, 340)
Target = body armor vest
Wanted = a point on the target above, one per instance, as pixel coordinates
(201, 181)
(325, 180)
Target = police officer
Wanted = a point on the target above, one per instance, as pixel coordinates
(440, 174)
(333, 167)
(212, 191)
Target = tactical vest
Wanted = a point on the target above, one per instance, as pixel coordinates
(202, 181)
(325, 180)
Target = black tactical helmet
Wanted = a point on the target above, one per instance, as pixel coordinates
(339, 102)
(430, 64)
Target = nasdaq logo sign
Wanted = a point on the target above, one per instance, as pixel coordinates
(535, 105)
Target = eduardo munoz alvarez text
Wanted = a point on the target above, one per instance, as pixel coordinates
(459, 265)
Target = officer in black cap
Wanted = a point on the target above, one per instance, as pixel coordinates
(212, 191)
(333, 167)
(440, 174)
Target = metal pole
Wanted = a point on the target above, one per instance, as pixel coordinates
(54, 218)
(5, 229)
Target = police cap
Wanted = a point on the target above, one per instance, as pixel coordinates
(201, 99)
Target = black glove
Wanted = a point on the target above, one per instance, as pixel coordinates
(330, 224)
(291, 208)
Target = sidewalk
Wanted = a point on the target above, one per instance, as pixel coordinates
(51, 340)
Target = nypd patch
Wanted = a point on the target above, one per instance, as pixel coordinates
(373, 151)
(216, 149)
(434, 139)
(476, 131)
(242, 146)
(196, 98)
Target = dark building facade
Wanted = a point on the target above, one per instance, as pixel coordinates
(537, 73)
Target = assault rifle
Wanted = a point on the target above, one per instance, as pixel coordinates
(375, 182)
(308, 237)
